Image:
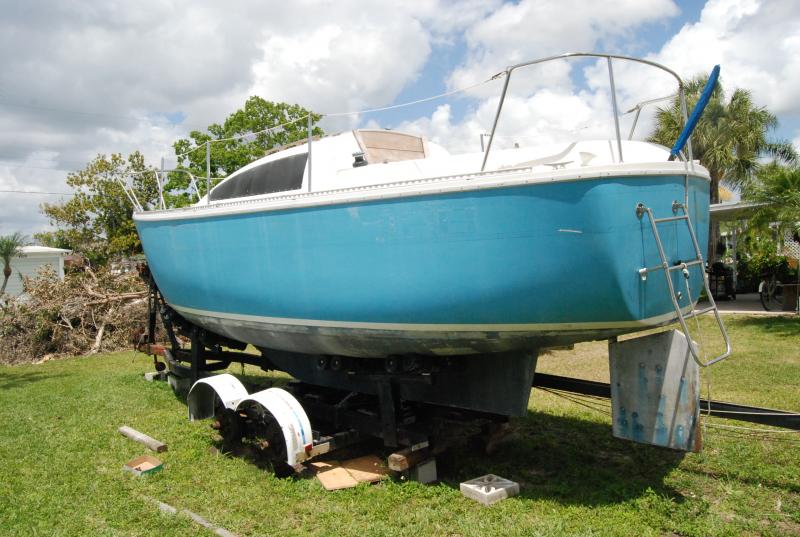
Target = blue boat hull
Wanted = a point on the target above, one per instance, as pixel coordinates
(487, 270)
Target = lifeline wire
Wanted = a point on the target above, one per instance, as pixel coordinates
(239, 136)
(410, 103)
(341, 114)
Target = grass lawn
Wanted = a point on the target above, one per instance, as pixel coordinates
(61, 462)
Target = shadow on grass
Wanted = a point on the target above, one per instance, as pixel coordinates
(17, 380)
(778, 326)
(568, 460)
(564, 459)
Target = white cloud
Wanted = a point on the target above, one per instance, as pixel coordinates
(757, 44)
(102, 77)
(534, 29)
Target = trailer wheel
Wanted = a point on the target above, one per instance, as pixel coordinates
(276, 424)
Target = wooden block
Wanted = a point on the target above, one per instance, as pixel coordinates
(405, 459)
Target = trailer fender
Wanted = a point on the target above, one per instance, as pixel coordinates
(205, 393)
(291, 418)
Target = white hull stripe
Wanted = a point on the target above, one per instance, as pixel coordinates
(511, 177)
(419, 327)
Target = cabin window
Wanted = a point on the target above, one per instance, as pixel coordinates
(275, 176)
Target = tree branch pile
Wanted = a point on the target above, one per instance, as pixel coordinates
(84, 314)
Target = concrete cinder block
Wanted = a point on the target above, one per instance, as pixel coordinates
(489, 489)
(424, 472)
(155, 375)
(180, 385)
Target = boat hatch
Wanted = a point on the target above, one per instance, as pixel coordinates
(389, 146)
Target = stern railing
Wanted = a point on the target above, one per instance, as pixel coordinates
(609, 58)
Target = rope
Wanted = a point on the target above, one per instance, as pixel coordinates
(751, 429)
(707, 371)
(577, 402)
(787, 414)
(752, 436)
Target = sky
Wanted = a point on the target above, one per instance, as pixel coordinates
(82, 78)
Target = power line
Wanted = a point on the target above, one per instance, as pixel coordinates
(37, 192)
(25, 166)
(77, 112)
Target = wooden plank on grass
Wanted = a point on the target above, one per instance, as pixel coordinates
(148, 441)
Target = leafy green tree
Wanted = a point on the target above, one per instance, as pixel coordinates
(777, 189)
(10, 246)
(236, 145)
(729, 140)
(97, 220)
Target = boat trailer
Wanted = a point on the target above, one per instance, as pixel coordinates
(275, 423)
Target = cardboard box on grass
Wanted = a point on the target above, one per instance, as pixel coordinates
(144, 465)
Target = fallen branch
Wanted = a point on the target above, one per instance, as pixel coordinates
(116, 298)
(98, 339)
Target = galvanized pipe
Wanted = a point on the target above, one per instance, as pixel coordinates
(160, 187)
(496, 117)
(635, 119)
(614, 106)
(684, 113)
(510, 69)
(309, 151)
(208, 172)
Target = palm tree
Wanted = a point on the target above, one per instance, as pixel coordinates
(777, 189)
(10, 246)
(729, 139)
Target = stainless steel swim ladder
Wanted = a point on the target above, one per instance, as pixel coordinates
(678, 207)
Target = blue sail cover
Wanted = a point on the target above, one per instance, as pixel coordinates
(699, 108)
